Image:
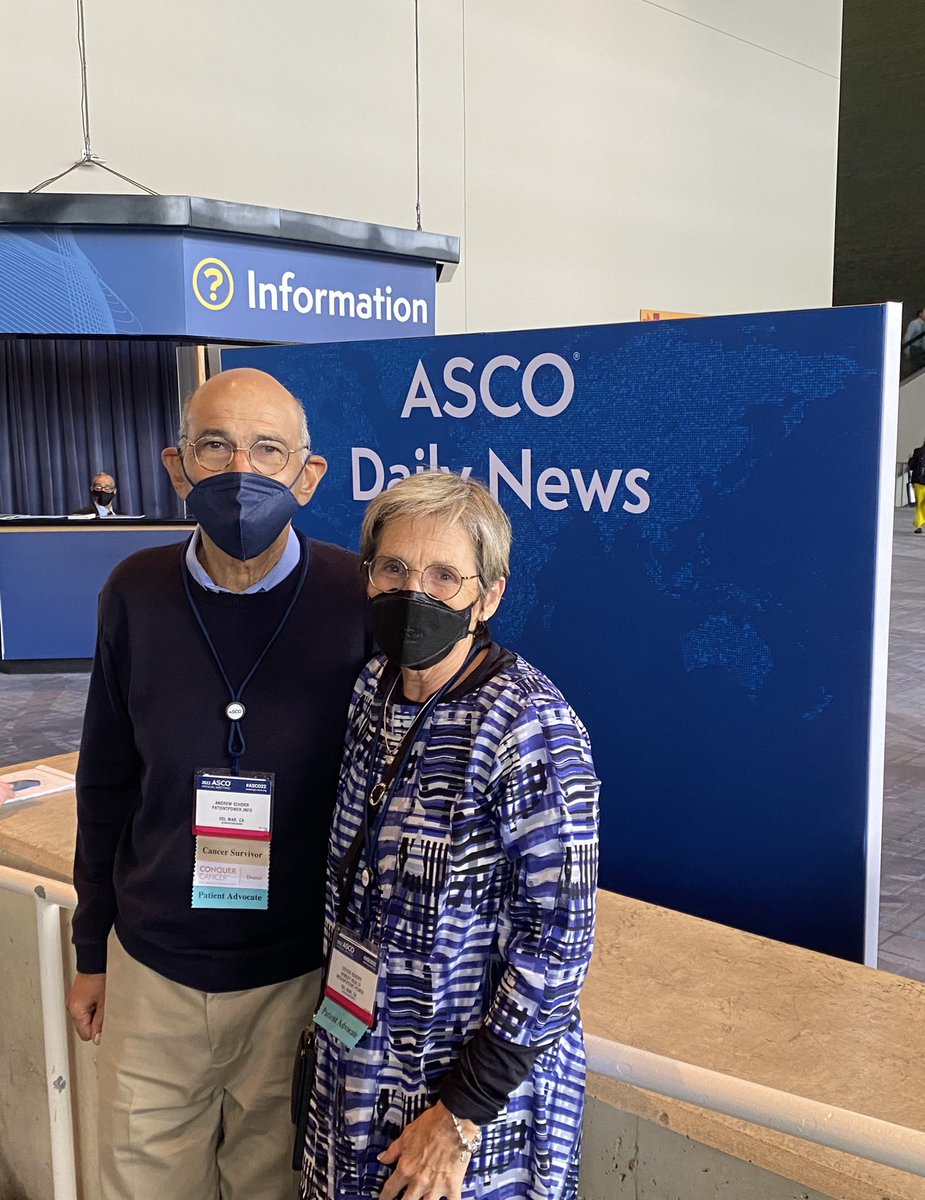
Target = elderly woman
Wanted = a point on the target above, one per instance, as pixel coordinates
(461, 885)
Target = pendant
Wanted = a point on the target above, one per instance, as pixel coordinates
(235, 710)
(377, 795)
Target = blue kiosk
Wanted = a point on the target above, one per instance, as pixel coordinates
(197, 272)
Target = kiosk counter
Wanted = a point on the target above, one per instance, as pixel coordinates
(51, 572)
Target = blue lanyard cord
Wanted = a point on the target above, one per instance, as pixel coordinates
(236, 745)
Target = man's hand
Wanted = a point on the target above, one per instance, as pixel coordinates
(85, 1003)
(6, 791)
(426, 1157)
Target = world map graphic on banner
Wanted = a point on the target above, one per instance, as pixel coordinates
(680, 569)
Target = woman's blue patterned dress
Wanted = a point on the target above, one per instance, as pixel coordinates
(487, 865)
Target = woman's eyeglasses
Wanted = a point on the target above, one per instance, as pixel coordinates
(440, 582)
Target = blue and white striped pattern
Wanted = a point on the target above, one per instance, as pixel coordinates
(487, 865)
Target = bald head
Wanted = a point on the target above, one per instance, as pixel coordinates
(243, 407)
(246, 390)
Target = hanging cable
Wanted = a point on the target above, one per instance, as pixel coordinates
(87, 157)
(417, 109)
(84, 92)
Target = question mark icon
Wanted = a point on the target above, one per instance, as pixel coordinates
(211, 277)
(216, 277)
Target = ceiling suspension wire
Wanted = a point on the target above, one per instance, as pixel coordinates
(417, 108)
(87, 157)
(84, 91)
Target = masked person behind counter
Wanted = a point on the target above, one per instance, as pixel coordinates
(102, 495)
(461, 884)
(217, 703)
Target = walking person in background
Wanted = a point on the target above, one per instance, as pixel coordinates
(914, 337)
(917, 478)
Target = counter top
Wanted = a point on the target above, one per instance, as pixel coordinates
(778, 1015)
(67, 524)
(39, 835)
(760, 1010)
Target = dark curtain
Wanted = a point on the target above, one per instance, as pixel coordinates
(70, 408)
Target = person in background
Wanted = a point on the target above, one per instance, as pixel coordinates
(913, 341)
(226, 663)
(461, 885)
(102, 496)
(916, 466)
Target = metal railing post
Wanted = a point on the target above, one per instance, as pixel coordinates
(57, 1062)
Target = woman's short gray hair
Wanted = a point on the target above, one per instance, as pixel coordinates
(439, 495)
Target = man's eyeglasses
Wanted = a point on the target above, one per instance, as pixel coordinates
(440, 582)
(267, 456)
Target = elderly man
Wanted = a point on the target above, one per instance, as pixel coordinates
(208, 766)
(102, 496)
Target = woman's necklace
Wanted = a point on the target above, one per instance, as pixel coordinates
(391, 739)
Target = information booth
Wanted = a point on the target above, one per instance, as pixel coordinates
(163, 279)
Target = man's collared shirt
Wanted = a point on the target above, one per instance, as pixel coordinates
(286, 565)
(103, 510)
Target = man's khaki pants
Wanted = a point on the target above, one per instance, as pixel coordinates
(194, 1087)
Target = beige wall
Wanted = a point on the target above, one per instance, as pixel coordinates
(596, 157)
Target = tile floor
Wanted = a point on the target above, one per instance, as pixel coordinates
(902, 891)
(41, 714)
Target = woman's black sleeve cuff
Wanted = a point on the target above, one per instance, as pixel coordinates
(487, 1071)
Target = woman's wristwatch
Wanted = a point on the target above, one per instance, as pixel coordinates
(466, 1145)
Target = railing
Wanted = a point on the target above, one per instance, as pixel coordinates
(866, 1137)
(50, 897)
(913, 356)
(854, 1133)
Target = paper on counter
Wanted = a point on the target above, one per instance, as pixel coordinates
(48, 780)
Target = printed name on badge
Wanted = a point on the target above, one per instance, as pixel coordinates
(233, 805)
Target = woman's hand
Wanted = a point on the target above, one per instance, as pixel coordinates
(426, 1157)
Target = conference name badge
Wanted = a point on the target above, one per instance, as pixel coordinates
(230, 805)
(232, 821)
(346, 1009)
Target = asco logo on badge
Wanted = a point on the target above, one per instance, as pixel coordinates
(213, 283)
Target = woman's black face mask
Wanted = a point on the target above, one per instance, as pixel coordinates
(413, 630)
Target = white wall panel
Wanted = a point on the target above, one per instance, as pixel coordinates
(647, 160)
(808, 31)
(595, 157)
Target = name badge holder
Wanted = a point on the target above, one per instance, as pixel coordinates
(347, 1005)
(233, 809)
(233, 826)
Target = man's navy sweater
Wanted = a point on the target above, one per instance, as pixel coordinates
(156, 714)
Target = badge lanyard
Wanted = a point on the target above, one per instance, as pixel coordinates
(380, 796)
(346, 1006)
(235, 710)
